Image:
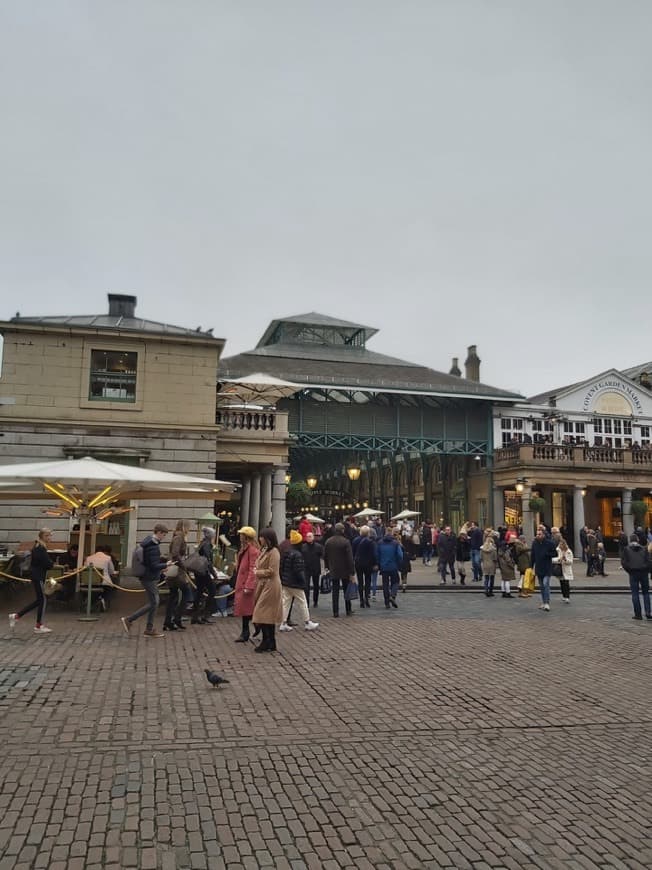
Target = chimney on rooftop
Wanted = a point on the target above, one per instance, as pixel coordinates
(472, 364)
(455, 369)
(122, 306)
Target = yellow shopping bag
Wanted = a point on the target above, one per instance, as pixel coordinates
(528, 580)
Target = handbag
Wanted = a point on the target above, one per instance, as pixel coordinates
(351, 592)
(528, 580)
(557, 570)
(325, 584)
(172, 572)
(196, 563)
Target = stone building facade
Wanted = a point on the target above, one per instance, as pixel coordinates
(113, 386)
(584, 448)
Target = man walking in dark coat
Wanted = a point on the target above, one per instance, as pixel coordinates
(312, 552)
(338, 558)
(636, 562)
(446, 548)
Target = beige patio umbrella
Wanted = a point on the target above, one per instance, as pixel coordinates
(85, 487)
(256, 389)
(368, 512)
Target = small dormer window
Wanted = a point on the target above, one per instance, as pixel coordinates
(112, 376)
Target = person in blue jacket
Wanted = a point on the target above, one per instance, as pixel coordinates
(390, 558)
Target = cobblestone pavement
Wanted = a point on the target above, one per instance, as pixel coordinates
(455, 731)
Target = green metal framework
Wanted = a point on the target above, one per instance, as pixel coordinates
(352, 441)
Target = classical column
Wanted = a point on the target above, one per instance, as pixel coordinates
(498, 507)
(626, 512)
(278, 502)
(526, 514)
(578, 519)
(254, 508)
(245, 500)
(266, 499)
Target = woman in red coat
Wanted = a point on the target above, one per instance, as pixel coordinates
(245, 580)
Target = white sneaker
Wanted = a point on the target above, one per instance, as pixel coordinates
(12, 620)
(41, 629)
(542, 607)
(566, 600)
(546, 607)
(311, 626)
(284, 627)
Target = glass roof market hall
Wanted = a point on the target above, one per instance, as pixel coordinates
(364, 429)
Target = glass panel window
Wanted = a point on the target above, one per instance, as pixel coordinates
(579, 428)
(597, 425)
(607, 426)
(517, 424)
(537, 425)
(113, 376)
(627, 427)
(618, 427)
(506, 423)
(645, 431)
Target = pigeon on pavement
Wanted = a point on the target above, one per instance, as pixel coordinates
(214, 679)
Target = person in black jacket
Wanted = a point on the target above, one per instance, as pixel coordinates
(462, 556)
(543, 552)
(365, 560)
(636, 561)
(312, 552)
(40, 564)
(293, 581)
(446, 548)
(154, 564)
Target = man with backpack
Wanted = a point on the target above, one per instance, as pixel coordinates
(390, 559)
(147, 564)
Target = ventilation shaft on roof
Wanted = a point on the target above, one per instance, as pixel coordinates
(122, 306)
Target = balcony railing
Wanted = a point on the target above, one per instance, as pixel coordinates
(570, 456)
(252, 422)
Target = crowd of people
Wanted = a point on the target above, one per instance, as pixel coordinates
(272, 581)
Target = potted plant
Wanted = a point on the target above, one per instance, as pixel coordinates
(639, 511)
(298, 494)
(537, 506)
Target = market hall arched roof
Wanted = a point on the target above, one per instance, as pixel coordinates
(325, 353)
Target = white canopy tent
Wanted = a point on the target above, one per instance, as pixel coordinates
(368, 512)
(407, 515)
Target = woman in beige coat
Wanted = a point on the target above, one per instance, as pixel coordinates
(268, 607)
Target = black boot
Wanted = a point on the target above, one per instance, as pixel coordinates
(263, 646)
(244, 634)
(169, 626)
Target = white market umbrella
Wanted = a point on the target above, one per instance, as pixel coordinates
(407, 515)
(87, 485)
(368, 512)
(256, 388)
(311, 518)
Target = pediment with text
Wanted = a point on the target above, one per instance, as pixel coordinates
(609, 393)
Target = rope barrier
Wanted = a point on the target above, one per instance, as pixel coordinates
(101, 575)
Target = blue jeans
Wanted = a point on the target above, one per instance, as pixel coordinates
(222, 604)
(427, 553)
(636, 579)
(374, 582)
(544, 586)
(475, 561)
(153, 598)
(390, 585)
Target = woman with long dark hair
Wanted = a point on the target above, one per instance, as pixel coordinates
(39, 566)
(268, 607)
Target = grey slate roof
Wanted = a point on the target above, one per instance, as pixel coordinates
(319, 365)
(106, 321)
(636, 371)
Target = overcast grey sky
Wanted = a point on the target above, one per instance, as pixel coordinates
(450, 171)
